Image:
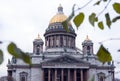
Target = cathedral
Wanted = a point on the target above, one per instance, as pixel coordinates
(61, 60)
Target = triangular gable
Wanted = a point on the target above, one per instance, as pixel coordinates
(66, 59)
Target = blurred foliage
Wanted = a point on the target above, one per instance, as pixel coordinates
(1, 56)
(100, 25)
(103, 54)
(93, 18)
(18, 53)
(78, 19)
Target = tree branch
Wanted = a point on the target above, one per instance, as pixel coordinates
(79, 8)
(104, 8)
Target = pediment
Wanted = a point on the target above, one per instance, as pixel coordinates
(66, 59)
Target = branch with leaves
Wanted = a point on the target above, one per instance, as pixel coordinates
(93, 17)
(103, 54)
(16, 52)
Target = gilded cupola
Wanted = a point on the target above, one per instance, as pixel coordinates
(59, 17)
(56, 36)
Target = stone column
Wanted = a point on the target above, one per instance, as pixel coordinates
(62, 74)
(49, 74)
(57, 41)
(55, 75)
(81, 75)
(53, 41)
(48, 42)
(66, 41)
(43, 75)
(86, 75)
(68, 74)
(75, 76)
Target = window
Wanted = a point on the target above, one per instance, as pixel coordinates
(38, 49)
(23, 76)
(101, 76)
(88, 50)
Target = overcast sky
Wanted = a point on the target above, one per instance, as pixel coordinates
(22, 20)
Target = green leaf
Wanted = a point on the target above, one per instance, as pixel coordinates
(97, 3)
(18, 53)
(1, 57)
(108, 20)
(100, 25)
(103, 55)
(13, 50)
(93, 19)
(26, 58)
(116, 18)
(105, 0)
(116, 7)
(78, 20)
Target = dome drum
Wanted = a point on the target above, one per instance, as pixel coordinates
(60, 41)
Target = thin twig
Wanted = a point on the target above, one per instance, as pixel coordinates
(79, 8)
(104, 8)
(109, 40)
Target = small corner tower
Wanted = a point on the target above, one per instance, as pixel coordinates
(38, 45)
(87, 46)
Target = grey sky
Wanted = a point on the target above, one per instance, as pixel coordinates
(22, 20)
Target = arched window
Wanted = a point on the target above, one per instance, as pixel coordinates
(101, 76)
(88, 49)
(38, 50)
(23, 76)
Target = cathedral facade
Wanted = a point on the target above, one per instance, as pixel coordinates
(61, 60)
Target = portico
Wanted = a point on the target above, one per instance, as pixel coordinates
(65, 68)
(64, 74)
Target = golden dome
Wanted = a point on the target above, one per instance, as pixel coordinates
(59, 17)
